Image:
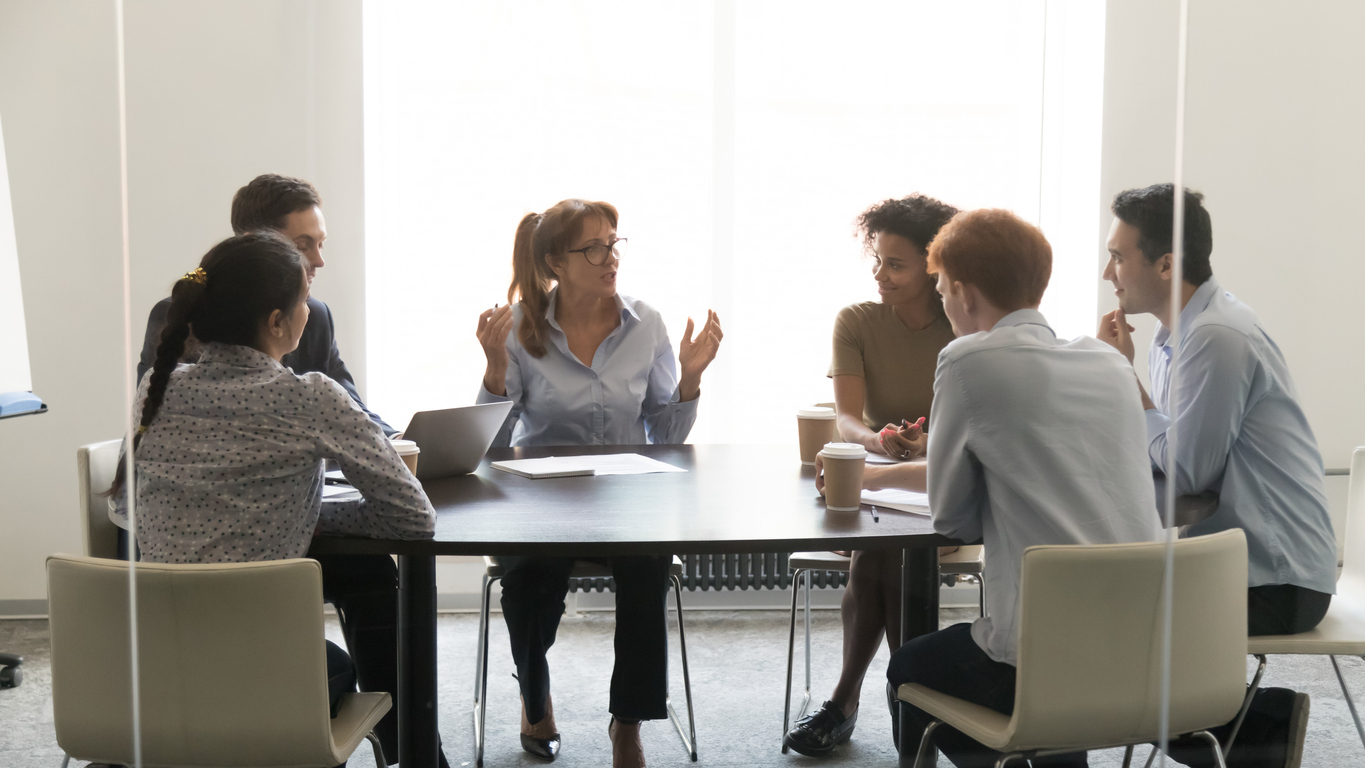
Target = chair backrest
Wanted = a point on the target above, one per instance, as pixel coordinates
(232, 663)
(1353, 572)
(96, 464)
(1090, 640)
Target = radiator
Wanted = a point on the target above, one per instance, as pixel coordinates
(703, 572)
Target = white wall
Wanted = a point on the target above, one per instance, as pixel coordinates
(217, 93)
(1273, 141)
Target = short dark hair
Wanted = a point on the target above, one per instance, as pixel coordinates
(268, 199)
(917, 218)
(1151, 211)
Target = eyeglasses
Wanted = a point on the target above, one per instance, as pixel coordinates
(597, 254)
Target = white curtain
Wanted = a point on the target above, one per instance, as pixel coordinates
(739, 141)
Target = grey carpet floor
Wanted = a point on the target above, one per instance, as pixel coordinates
(737, 662)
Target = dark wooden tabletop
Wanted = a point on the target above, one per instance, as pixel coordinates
(732, 499)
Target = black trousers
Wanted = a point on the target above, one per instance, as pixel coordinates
(1275, 609)
(533, 590)
(951, 662)
(364, 590)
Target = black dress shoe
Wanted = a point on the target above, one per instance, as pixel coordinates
(543, 748)
(817, 734)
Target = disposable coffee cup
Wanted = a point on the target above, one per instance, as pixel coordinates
(844, 464)
(408, 452)
(815, 427)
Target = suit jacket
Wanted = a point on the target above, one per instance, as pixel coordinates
(317, 351)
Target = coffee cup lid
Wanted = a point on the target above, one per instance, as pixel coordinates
(815, 412)
(843, 451)
(405, 447)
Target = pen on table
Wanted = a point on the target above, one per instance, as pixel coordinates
(875, 519)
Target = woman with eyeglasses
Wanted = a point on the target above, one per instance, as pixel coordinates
(584, 365)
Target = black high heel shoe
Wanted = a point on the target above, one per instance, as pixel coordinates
(547, 749)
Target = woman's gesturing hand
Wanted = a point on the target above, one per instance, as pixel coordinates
(695, 354)
(494, 326)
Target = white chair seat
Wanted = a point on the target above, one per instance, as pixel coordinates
(1341, 633)
(357, 715)
(819, 561)
(968, 559)
(981, 723)
(582, 569)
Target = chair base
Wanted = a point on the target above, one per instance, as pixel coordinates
(926, 746)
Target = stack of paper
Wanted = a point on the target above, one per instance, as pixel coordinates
(570, 466)
(895, 498)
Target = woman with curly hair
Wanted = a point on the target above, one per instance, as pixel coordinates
(885, 354)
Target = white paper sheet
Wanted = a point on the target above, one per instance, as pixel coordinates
(895, 498)
(336, 493)
(607, 464)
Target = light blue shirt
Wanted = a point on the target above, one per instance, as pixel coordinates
(1241, 433)
(1028, 447)
(628, 396)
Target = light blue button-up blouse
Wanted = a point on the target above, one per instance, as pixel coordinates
(629, 395)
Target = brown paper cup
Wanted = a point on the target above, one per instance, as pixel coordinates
(814, 427)
(408, 451)
(843, 476)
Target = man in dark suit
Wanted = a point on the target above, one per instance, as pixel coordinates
(364, 588)
(293, 208)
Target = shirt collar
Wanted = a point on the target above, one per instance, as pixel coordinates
(1199, 301)
(1024, 317)
(624, 305)
(238, 355)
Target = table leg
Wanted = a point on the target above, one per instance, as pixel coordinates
(919, 616)
(418, 739)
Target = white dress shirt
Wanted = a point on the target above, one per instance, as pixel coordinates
(1036, 440)
(628, 396)
(231, 467)
(1241, 433)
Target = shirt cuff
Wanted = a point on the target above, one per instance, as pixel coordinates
(1157, 424)
(488, 397)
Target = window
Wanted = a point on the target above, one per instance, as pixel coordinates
(738, 140)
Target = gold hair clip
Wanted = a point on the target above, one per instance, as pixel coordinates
(142, 430)
(198, 275)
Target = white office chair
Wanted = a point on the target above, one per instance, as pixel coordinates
(1342, 631)
(1090, 645)
(581, 570)
(96, 464)
(968, 561)
(232, 666)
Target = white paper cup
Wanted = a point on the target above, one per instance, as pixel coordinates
(408, 451)
(844, 464)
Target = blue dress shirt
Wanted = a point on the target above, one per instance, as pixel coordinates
(1242, 434)
(1029, 448)
(629, 395)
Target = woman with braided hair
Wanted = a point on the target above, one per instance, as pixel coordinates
(229, 450)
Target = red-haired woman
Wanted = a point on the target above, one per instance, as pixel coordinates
(584, 365)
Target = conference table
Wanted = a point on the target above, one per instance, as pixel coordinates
(732, 499)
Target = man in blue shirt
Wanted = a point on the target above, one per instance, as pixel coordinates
(1224, 388)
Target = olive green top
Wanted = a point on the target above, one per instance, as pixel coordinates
(896, 364)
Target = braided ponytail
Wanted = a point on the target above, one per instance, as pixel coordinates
(239, 282)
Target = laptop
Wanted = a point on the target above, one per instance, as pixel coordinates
(454, 440)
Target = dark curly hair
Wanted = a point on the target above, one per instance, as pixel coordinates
(917, 218)
(1151, 211)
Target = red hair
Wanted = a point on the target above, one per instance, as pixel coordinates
(1005, 257)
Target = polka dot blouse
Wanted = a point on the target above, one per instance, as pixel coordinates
(230, 469)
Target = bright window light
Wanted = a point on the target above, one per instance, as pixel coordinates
(738, 140)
